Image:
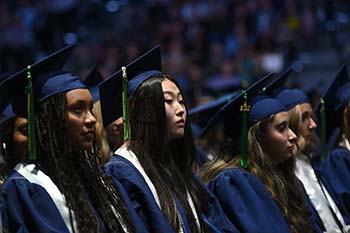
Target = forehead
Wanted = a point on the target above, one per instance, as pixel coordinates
(305, 107)
(169, 86)
(281, 116)
(78, 95)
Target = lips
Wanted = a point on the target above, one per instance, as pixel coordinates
(290, 149)
(89, 134)
(180, 123)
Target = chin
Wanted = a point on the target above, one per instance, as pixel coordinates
(87, 146)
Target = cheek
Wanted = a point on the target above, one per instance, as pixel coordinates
(277, 142)
(19, 139)
(73, 125)
(168, 112)
(302, 129)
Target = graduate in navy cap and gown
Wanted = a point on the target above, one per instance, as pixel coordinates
(303, 123)
(253, 176)
(199, 116)
(13, 139)
(335, 167)
(59, 187)
(155, 163)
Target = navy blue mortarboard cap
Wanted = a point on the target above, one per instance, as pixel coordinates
(273, 88)
(232, 108)
(6, 114)
(335, 98)
(292, 97)
(201, 114)
(138, 71)
(338, 92)
(219, 102)
(92, 80)
(261, 108)
(48, 80)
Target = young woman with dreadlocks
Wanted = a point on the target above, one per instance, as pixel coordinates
(253, 174)
(155, 164)
(61, 188)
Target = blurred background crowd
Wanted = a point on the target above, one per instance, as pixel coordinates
(210, 46)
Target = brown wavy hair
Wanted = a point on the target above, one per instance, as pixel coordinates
(278, 178)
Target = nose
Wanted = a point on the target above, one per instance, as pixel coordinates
(180, 109)
(90, 119)
(291, 135)
(312, 124)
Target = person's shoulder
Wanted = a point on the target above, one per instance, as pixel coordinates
(235, 173)
(118, 164)
(238, 179)
(15, 179)
(339, 152)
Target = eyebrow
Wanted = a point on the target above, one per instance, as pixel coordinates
(284, 122)
(79, 101)
(172, 93)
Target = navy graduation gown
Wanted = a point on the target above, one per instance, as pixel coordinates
(217, 217)
(335, 173)
(4, 221)
(29, 207)
(123, 172)
(247, 202)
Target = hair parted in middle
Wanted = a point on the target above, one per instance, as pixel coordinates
(167, 163)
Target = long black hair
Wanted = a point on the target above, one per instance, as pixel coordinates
(168, 164)
(77, 175)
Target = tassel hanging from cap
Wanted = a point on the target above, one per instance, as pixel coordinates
(245, 111)
(126, 122)
(31, 116)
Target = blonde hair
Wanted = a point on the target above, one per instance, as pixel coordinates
(278, 178)
(295, 119)
(101, 139)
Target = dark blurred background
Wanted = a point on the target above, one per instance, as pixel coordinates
(211, 46)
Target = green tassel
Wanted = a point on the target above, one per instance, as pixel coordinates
(245, 111)
(263, 91)
(126, 122)
(31, 116)
(323, 128)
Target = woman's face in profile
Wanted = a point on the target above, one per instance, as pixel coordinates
(175, 110)
(80, 119)
(20, 139)
(279, 139)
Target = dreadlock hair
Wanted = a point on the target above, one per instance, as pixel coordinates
(168, 164)
(77, 175)
(278, 178)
